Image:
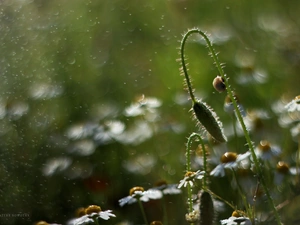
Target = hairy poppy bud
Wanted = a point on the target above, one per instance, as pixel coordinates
(206, 209)
(208, 118)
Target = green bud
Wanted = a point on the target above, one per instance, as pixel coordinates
(209, 119)
(206, 209)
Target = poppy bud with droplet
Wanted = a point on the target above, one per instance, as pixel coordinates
(219, 84)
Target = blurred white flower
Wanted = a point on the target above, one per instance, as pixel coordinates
(283, 171)
(144, 107)
(81, 130)
(16, 109)
(56, 165)
(109, 131)
(252, 75)
(236, 221)
(218, 33)
(82, 147)
(138, 193)
(45, 91)
(295, 131)
(294, 105)
(167, 189)
(141, 164)
(139, 131)
(230, 160)
(266, 151)
(92, 214)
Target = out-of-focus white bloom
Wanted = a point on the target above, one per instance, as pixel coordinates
(294, 105)
(230, 160)
(167, 189)
(283, 171)
(108, 132)
(45, 91)
(81, 130)
(56, 165)
(138, 193)
(83, 147)
(218, 34)
(138, 132)
(16, 109)
(266, 151)
(92, 214)
(146, 107)
(140, 164)
(252, 75)
(236, 221)
(295, 131)
(171, 189)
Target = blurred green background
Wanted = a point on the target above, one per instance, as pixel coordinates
(71, 70)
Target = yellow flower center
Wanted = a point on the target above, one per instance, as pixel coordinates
(189, 173)
(282, 167)
(134, 189)
(42, 223)
(228, 157)
(297, 99)
(235, 213)
(264, 146)
(92, 209)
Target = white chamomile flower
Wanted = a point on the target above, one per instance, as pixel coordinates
(229, 160)
(190, 177)
(236, 219)
(283, 171)
(138, 193)
(91, 214)
(266, 151)
(294, 105)
(144, 106)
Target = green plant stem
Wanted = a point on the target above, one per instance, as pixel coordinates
(96, 221)
(165, 210)
(190, 199)
(184, 69)
(249, 211)
(143, 212)
(199, 138)
(237, 110)
(188, 169)
(298, 160)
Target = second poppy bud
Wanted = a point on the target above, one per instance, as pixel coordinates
(219, 84)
